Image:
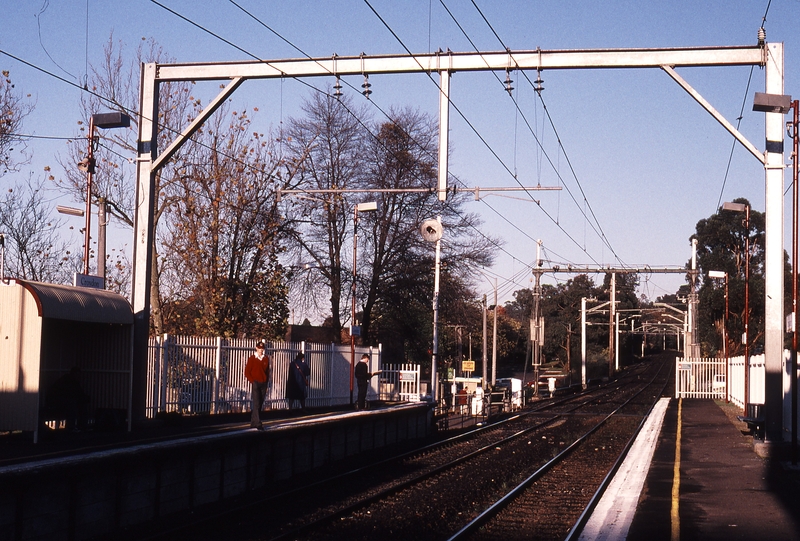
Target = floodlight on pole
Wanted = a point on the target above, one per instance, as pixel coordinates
(104, 121)
(69, 210)
(741, 207)
(724, 275)
(431, 230)
(772, 103)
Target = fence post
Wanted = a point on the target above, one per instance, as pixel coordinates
(217, 362)
(154, 352)
(165, 345)
(677, 387)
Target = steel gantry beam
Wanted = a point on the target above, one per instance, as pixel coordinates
(451, 62)
(768, 55)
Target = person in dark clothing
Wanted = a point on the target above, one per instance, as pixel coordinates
(363, 375)
(297, 381)
(67, 398)
(257, 373)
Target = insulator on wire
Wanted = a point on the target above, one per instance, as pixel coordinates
(337, 88)
(366, 85)
(538, 88)
(509, 80)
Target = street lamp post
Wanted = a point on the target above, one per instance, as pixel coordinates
(792, 128)
(795, 124)
(722, 274)
(741, 207)
(494, 335)
(99, 120)
(484, 356)
(431, 231)
(361, 207)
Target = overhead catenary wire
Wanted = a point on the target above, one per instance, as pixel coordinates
(739, 119)
(360, 121)
(541, 147)
(386, 115)
(318, 90)
(600, 233)
(481, 138)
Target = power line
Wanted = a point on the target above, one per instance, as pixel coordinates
(477, 133)
(388, 117)
(51, 137)
(538, 142)
(599, 233)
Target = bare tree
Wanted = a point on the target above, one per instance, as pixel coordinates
(117, 81)
(13, 109)
(403, 155)
(34, 250)
(328, 142)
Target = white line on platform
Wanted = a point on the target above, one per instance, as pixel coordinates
(613, 515)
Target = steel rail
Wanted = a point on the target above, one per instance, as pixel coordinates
(490, 512)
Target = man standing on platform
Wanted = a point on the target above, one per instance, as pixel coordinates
(363, 375)
(257, 373)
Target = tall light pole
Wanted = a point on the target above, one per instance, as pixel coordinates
(536, 330)
(431, 231)
(361, 207)
(99, 120)
(792, 130)
(722, 274)
(741, 207)
(484, 355)
(494, 334)
(793, 133)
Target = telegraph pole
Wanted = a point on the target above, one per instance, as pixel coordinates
(535, 326)
(611, 311)
(484, 356)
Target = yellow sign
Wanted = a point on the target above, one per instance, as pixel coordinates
(467, 366)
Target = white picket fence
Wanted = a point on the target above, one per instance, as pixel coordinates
(706, 378)
(206, 375)
(699, 378)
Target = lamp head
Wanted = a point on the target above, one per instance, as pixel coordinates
(367, 206)
(431, 230)
(772, 103)
(111, 120)
(86, 165)
(736, 207)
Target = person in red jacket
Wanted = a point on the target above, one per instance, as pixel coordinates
(257, 373)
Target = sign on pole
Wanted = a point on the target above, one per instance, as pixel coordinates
(87, 280)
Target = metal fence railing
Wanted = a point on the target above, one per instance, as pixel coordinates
(708, 378)
(399, 382)
(206, 375)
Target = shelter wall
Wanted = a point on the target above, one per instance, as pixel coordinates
(101, 351)
(20, 348)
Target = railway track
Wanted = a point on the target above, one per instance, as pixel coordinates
(533, 472)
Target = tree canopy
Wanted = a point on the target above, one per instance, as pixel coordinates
(722, 242)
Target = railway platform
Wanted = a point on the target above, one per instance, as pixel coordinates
(695, 475)
(114, 484)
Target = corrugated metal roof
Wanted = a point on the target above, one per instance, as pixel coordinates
(79, 303)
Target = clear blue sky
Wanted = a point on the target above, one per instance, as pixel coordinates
(649, 160)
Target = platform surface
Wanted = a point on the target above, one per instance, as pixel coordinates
(714, 487)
